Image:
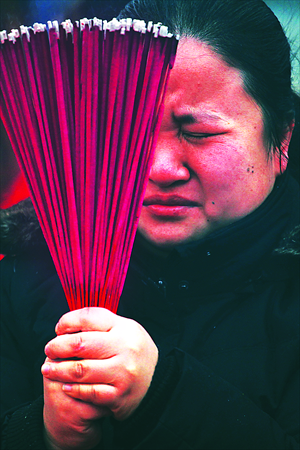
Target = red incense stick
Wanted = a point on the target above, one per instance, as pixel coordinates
(82, 106)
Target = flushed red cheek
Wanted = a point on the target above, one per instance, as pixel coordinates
(223, 165)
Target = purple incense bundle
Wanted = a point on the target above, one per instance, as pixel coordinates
(82, 105)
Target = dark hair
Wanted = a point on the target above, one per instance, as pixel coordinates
(248, 36)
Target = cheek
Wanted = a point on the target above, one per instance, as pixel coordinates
(236, 183)
(221, 167)
(233, 180)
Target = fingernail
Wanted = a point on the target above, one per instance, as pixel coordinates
(45, 369)
(67, 387)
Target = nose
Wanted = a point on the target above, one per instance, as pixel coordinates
(169, 164)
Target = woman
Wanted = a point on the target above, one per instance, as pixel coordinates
(203, 351)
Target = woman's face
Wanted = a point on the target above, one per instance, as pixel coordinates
(210, 165)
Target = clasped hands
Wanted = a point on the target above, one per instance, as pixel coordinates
(99, 364)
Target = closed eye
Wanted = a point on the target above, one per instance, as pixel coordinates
(196, 137)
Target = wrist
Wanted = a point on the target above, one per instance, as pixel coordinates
(130, 431)
(66, 442)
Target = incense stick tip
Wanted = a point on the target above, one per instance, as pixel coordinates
(104, 25)
(83, 23)
(124, 26)
(39, 27)
(68, 26)
(53, 26)
(97, 23)
(3, 36)
(114, 25)
(13, 35)
(139, 25)
(149, 26)
(163, 31)
(25, 32)
(128, 23)
(156, 28)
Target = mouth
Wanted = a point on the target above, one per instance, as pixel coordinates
(169, 206)
(169, 200)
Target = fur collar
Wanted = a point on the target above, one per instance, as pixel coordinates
(20, 229)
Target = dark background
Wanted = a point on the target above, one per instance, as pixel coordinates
(26, 12)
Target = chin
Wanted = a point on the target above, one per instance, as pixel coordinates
(169, 240)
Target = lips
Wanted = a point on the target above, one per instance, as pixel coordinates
(169, 200)
(169, 207)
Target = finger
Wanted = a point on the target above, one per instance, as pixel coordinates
(87, 345)
(53, 393)
(82, 371)
(86, 319)
(97, 394)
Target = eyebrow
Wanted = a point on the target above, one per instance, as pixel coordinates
(186, 119)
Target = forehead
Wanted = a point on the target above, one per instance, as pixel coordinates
(201, 80)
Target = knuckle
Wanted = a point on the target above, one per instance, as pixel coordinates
(131, 369)
(93, 394)
(84, 315)
(78, 370)
(134, 352)
(77, 344)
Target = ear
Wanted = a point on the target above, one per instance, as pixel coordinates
(282, 157)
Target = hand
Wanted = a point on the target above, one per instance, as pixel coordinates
(115, 363)
(69, 423)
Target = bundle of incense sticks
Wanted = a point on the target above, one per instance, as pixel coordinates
(82, 106)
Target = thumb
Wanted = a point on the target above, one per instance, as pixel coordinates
(86, 319)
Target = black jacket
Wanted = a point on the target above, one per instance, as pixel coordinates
(224, 313)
